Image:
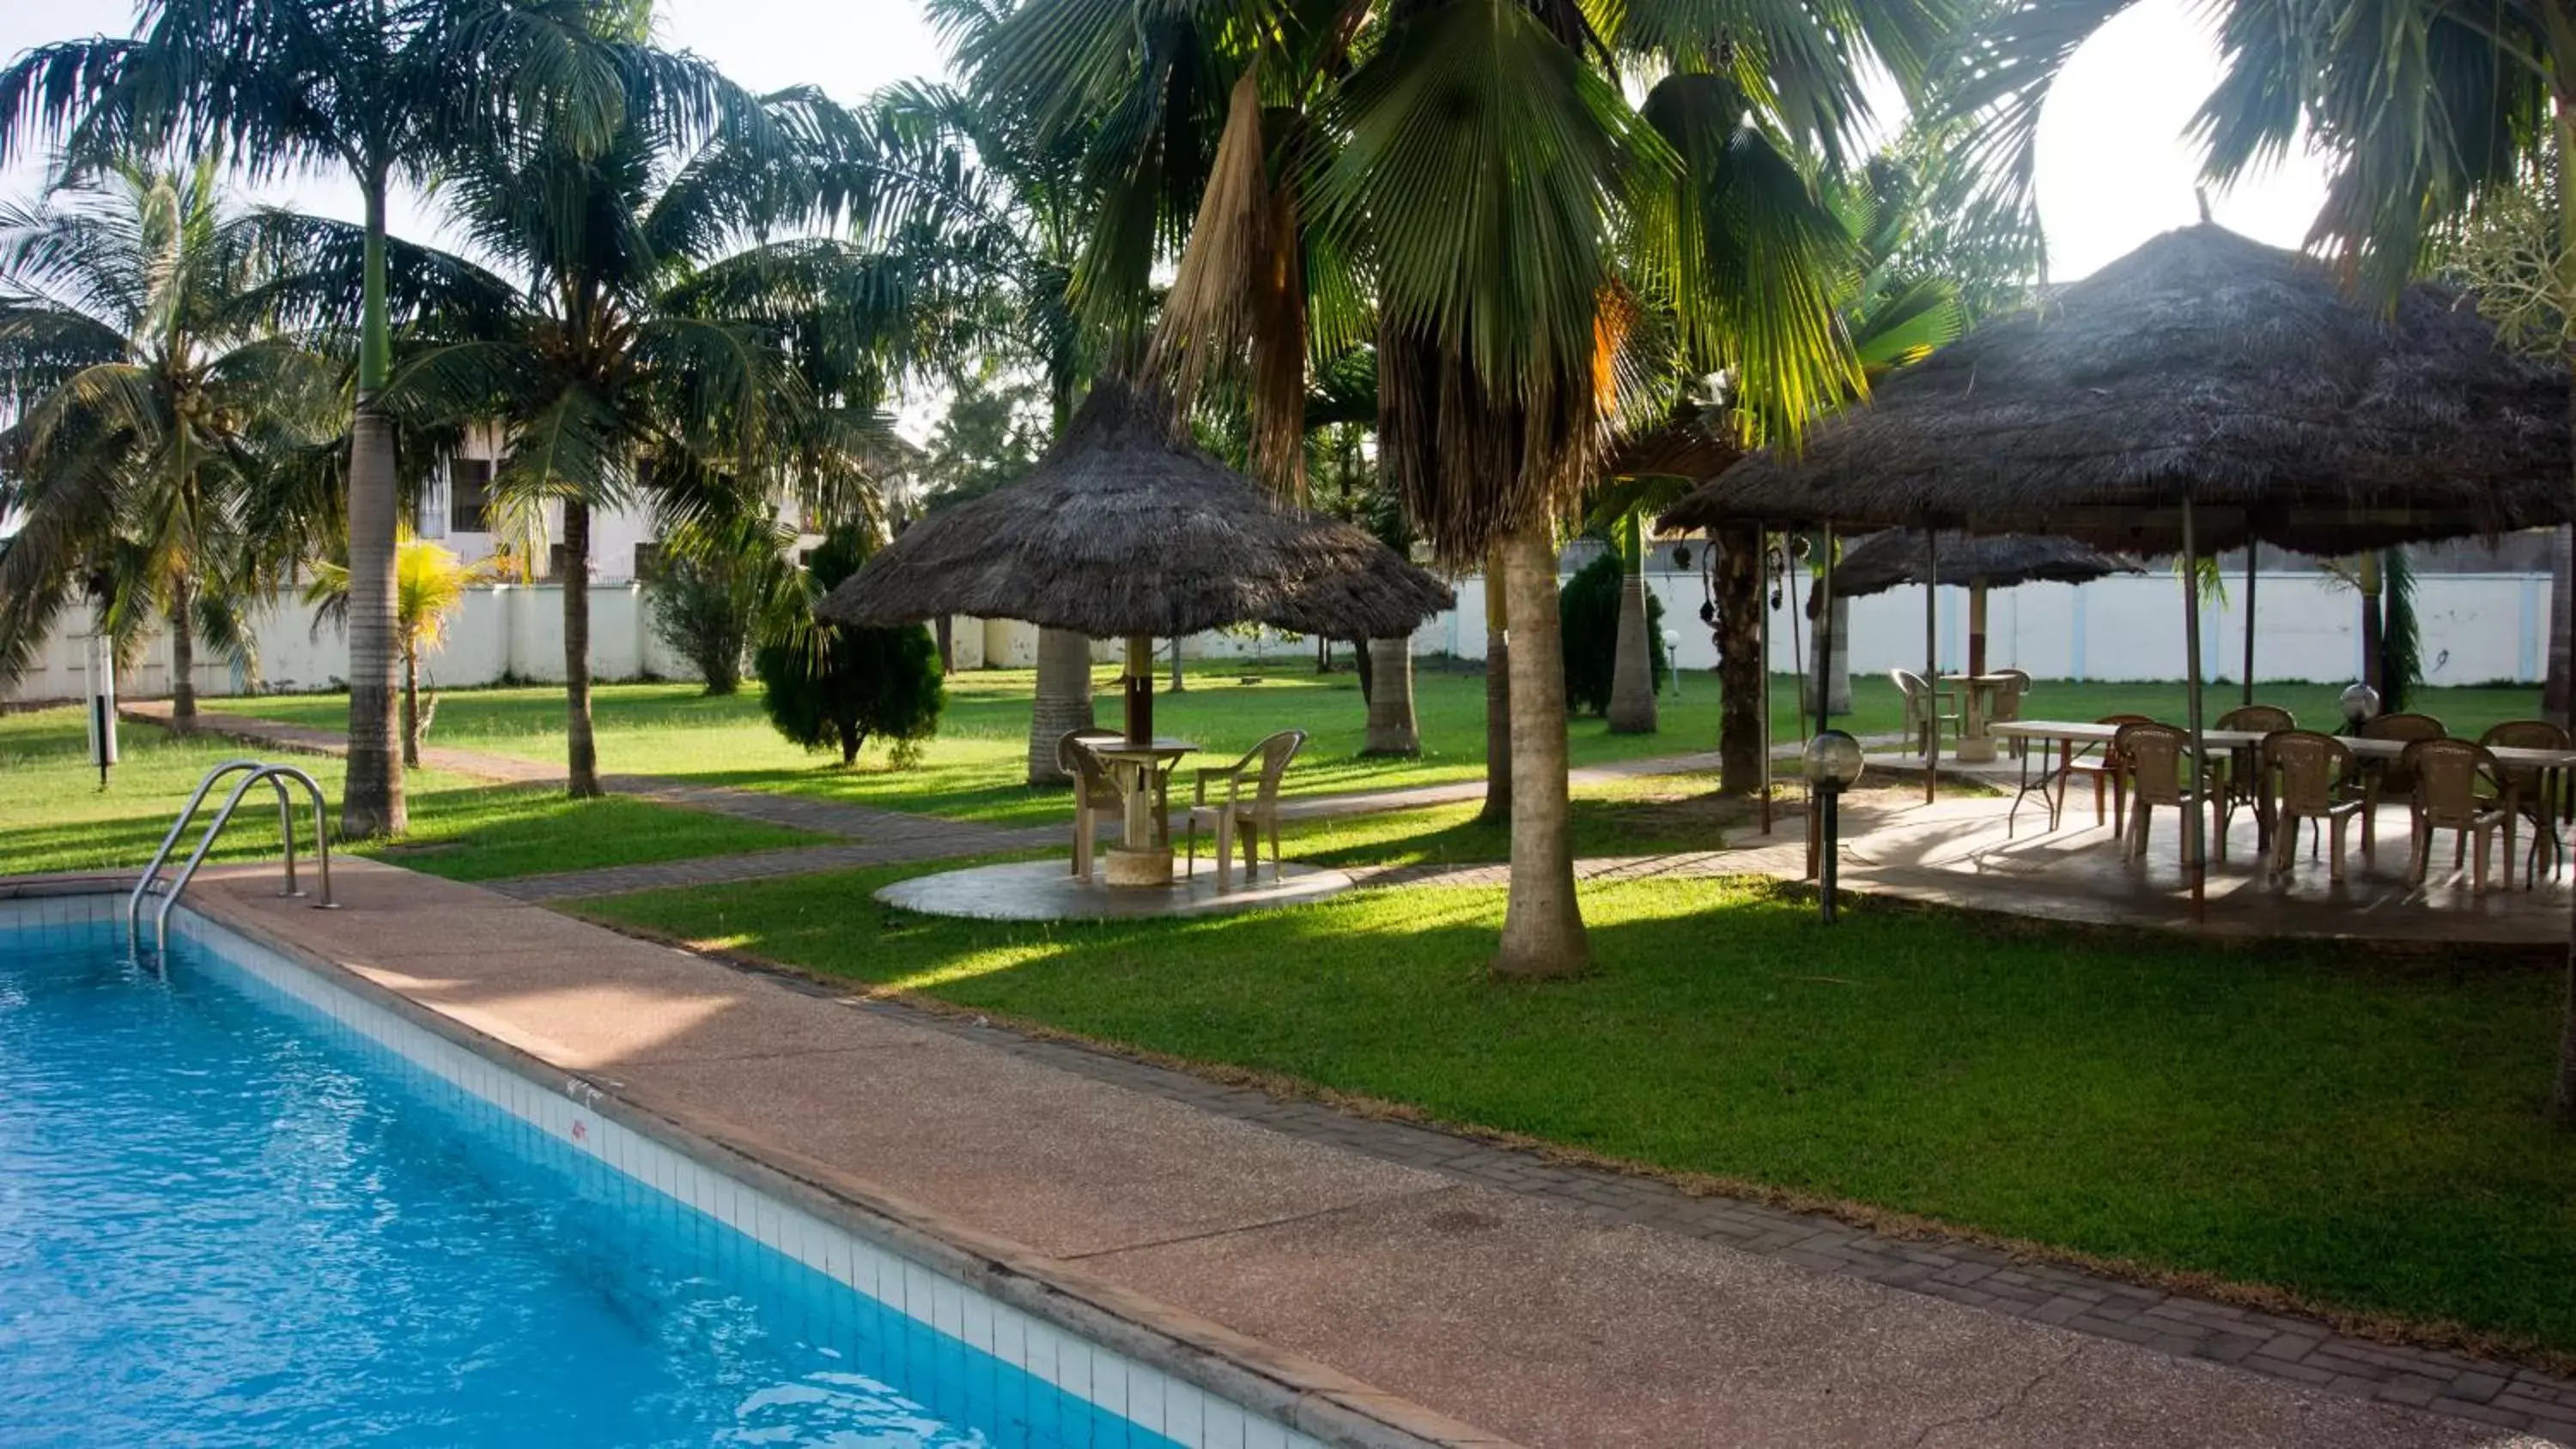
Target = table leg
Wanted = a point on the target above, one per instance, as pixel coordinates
(1137, 782)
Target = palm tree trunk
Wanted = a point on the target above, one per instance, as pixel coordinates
(581, 747)
(1391, 728)
(183, 657)
(1739, 660)
(371, 802)
(1543, 924)
(1498, 696)
(411, 730)
(1632, 673)
(1063, 702)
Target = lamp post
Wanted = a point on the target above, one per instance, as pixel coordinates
(1673, 660)
(1833, 766)
(2360, 705)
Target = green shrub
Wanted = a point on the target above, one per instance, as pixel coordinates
(828, 686)
(716, 589)
(1589, 608)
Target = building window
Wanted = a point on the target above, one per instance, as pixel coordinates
(469, 495)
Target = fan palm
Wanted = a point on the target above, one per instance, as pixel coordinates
(149, 407)
(2424, 110)
(1469, 182)
(665, 349)
(385, 90)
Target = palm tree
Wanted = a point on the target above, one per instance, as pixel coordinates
(1468, 182)
(384, 90)
(430, 584)
(2426, 111)
(666, 349)
(150, 407)
(1010, 215)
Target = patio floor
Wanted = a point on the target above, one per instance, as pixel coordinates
(1046, 890)
(1963, 852)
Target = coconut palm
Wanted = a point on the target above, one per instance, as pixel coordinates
(668, 349)
(1468, 182)
(2426, 111)
(150, 407)
(1005, 207)
(384, 90)
(429, 588)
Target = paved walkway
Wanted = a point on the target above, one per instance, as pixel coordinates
(1549, 1304)
(868, 837)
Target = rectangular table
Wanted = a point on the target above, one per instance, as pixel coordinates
(2555, 765)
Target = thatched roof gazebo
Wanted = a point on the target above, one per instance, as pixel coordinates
(1975, 562)
(2202, 392)
(1126, 531)
(2206, 367)
(1896, 558)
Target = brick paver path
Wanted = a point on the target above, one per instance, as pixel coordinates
(2283, 1346)
(871, 837)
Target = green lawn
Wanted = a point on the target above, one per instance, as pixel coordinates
(53, 816)
(2366, 1133)
(974, 769)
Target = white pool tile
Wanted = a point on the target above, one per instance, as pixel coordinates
(643, 1166)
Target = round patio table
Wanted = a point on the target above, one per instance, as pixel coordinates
(1142, 771)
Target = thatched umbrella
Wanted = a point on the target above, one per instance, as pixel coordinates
(1125, 531)
(1977, 562)
(2203, 391)
(2202, 368)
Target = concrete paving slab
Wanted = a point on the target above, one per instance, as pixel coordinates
(1047, 890)
(1547, 1320)
(1535, 1320)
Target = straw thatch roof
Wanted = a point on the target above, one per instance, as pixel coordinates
(2202, 366)
(1123, 530)
(1887, 560)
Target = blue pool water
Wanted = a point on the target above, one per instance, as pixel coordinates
(221, 1225)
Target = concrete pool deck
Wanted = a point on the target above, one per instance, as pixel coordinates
(1405, 1293)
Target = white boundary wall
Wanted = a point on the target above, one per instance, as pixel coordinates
(2477, 629)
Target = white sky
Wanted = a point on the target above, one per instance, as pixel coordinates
(2114, 169)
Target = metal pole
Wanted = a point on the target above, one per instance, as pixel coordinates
(1764, 625)
(2252, 549)
(1789, 583)
(1830, 826)
(1931, 664)
(2195, 845)
(1825, 640)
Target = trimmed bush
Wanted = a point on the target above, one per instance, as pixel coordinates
(827, 686)
(1589, 610)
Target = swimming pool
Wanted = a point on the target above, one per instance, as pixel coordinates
(244, 1206)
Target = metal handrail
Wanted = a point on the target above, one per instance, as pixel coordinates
(170, 842)
(276, 776)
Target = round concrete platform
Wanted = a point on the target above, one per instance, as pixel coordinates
(1047, 890)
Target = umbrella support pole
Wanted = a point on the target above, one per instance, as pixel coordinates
(1975, 745)
(1138, 678)
(1763, 629)
(2252, 551)
(1931, 664)
(2195, 842)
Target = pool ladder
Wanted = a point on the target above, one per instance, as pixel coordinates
(252, 773)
